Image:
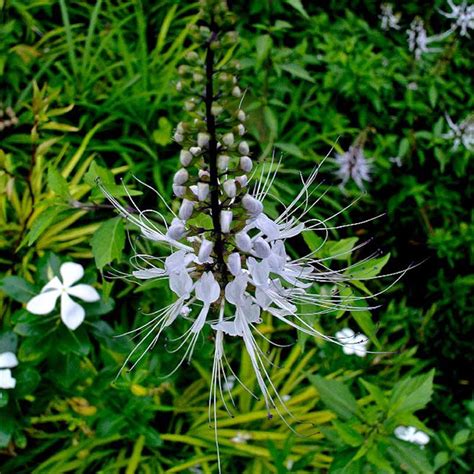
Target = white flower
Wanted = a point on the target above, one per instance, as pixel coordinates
(418, 40)
(462, 133)
(8, 360)
(72, 314)
(387, 18)
(463, 16)
(354, 165)
(412, 435)
(352, 343)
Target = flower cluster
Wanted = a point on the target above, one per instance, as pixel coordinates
(8, 361)
(228, 265)
(8, 118)
(388, 19)
(462, 133)
(72, 313)
(418, 40)
(412, 435)
(353, 164)
(462, 16)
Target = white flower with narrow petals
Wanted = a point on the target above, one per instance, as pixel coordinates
(388, 19)
(462, 16)
(419, 42)
(353, 165)
(8, 361)
(352, 343)
(412, 435)
(72, 313)
(462, 133)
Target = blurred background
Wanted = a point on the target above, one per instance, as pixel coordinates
(88, 89)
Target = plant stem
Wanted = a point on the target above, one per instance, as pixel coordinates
(212, 156)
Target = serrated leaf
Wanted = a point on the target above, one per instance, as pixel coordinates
(348, 434)
(264, 45)
(108, 242)
(298, 6)
(411, 394)
(298, 71)
(377, 394)
(96, 172)
(336, 396)
(408, 458)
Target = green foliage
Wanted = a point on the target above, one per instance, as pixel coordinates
(92, 84)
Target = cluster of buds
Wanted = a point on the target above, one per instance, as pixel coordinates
(8, 118)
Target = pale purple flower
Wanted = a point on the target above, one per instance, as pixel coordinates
(462, 16)
(353, 164)
(461, 134)
(388, 19)
(419, 42)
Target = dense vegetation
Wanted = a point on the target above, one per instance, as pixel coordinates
(88, 93)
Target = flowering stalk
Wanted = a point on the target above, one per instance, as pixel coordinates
(228, 265)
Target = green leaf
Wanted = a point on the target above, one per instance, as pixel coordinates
(4, 397)
(298, 71)
(408, 458)
(108, 242)
(97, 172)
(338, 249)
(58, 184)
(433, 95)
(441, 459)
(17, 288)
(44, 220)
(336, 396)
(461, 437)
(162, 135)
(344, 463)
(348, 434)
(264, 45)
(376, 457)
(7, 426)
(27, 379)
(377, 394)
(411, 394)
(298, 6)
(367, 269)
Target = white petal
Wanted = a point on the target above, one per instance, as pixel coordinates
(267, 226)
(72, 313)
(8, 360)
(234, 264)
(228, 327)
(234, 290)
(421, 438)
(181, 283)
(344, 335)
(262, 248)
(70, 273)
(207, 288)
(148, 273)
(259, 271)
(54, 284)
(43, 303)
(201, 319)
(84, 292)
(176, 262)
(6, 379)
(205, 251)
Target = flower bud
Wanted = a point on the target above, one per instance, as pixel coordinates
(226, 220)
(241, 115)
(203, 139)
(178, 190)
(185, 157)
(223, 162)
(205, 251)
(198, 77)
(242, 180)
(228, 139)
(244, 148)
(236, 92)
(240, 129)
(230, 188)
(234, 263)
(202, 191)
(216, 109)
(178, 137)
(186, 209)
(192, 56)
(176, 230)
(195, 150)
(252, 205)
(243, 241)
(181, 176)
(180, 127)
(179, 86)
(246, 163)
(261, 247)
(204, 175)
(189, 105)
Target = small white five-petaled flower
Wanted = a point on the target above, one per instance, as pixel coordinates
(8, 360)
(411, 435)
(352, 343)
(72, 313)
